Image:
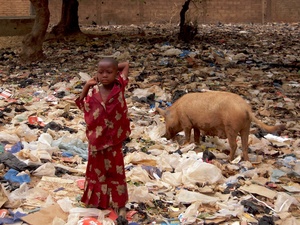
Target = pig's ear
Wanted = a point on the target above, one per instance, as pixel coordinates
(161, 112)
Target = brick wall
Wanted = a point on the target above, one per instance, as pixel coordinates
(234, 11)
(107, 12)
(230, 11)
(115, 12)
(14, 8)
(161, 11)
(121, 11)
(285, 11)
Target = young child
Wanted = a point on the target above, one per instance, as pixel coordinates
(107, 126)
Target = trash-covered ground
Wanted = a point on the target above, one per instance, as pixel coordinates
(44, 148)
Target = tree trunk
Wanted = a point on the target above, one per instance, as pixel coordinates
(68, 24)
(184, 9)
(32, 44)
(187, 32)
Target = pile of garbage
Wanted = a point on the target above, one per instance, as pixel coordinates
(43, 150)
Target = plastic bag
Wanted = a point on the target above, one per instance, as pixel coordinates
(38, 193)
(172, 52)
(43, 154)
(10, 138)
(163, 164)
(73, 145)
(46, 138)
(20, 193)
(46, 169)
(190, 214)
(15, 176)
(140, 194)
(284, 201)
(156, 132)
(27, 154)
(89, 212)
(23, 131)
(58, 221)
(65, 204)
(185, 196)
(138, 174)
(174, 179)
(73, 219)
(140, 158)
(200, 172)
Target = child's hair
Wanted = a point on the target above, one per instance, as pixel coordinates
(110, 60)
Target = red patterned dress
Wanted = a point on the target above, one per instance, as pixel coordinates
(107, 127)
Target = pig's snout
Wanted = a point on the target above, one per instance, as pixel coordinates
(166, 136)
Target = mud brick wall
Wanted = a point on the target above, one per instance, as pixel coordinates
(108, 12)
(162, 11)
(14, 8)
(231, 11)
(121, 11)
(285, 11)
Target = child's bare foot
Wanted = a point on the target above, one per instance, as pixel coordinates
(121, 220)
(122, 212)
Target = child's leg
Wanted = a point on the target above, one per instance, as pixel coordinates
(96, 192)
(116, 178)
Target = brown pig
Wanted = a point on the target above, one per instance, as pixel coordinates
(215, 113)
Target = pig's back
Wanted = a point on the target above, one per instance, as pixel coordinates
(214, 108)
(211, 100)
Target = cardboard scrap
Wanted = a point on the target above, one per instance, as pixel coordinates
(3, 197)
(293, 188)
(59, 187)
(46, 216)
(260, 190)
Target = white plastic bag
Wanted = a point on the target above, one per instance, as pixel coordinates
(173, 179)
(284, 201)
(88, 212)
(138, 174)
(45, 138)
(190, 214)
(23, 131)
(65, 204)
(20, 193)
(46, 169)
(185, 196)
(140, 194)
(201, 172)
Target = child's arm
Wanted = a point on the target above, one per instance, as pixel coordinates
(123, 68)
(86, 87)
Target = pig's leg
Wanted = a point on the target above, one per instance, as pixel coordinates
(233, 145)
(196, 135)
(244, 138)
(187, 133)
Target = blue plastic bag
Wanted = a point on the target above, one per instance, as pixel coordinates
(11, 175)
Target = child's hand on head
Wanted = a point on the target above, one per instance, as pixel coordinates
(92, 81)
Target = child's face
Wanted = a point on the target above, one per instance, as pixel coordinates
(106, 73)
